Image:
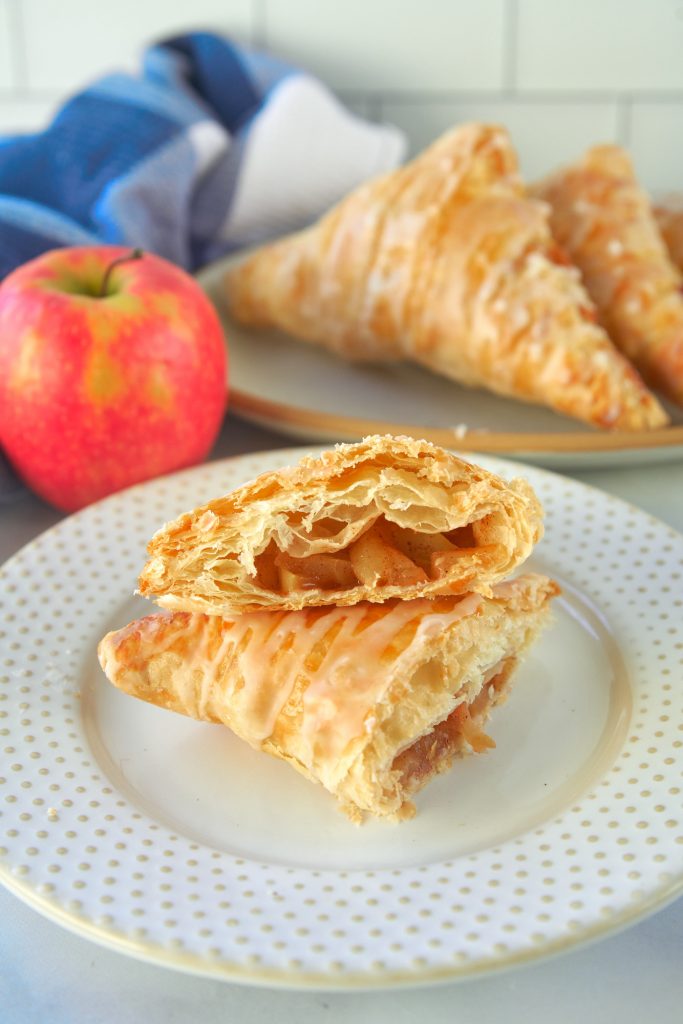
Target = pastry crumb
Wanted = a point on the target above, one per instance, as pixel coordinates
(207, 521)
(602, 360)
(520, 318)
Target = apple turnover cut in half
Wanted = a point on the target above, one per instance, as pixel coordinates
(386, 517)
(603, 218)
(448, 262)
(371, 700)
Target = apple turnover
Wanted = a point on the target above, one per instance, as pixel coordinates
(388, 517)
(448, 262)
(604, 219)
(371, 701)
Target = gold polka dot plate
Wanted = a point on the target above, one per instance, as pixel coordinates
(172, 841)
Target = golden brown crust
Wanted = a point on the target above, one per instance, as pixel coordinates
(669, 217)
(339, 693)
(210, 560)
(447, 262)
(602, 216)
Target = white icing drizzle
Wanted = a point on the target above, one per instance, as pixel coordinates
(259, 658)
(341, 685)
(352, 678)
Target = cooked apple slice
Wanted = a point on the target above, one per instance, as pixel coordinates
(325, 571)
(376, 562)
(418, 547)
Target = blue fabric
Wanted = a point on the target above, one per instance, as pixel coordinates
(121, 161)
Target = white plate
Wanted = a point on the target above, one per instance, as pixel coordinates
(173, 841)
(307, 392)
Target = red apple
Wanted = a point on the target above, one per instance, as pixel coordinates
(112, 371)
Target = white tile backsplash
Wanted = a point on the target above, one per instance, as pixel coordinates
(7, 63)
(71, 41)
(561, 74)
(392, 44)
(544, 133)
(656, 133)
(581, 45)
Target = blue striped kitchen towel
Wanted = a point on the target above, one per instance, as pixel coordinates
(210, 148)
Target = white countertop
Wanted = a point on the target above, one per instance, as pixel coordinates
(48, 976)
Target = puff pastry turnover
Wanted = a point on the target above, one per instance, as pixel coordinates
(371, 701)
(448, 262)
(602, 216)
(386, 517)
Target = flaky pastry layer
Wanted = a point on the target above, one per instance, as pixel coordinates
(388, 517)
(369, 700)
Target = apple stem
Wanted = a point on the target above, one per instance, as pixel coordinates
(134, 254)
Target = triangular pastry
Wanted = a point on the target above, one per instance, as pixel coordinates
(388, 517)
(448, 262)
(371, 700)
(604, 219)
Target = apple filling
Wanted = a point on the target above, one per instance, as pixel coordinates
(384, 555)
(434, 752)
